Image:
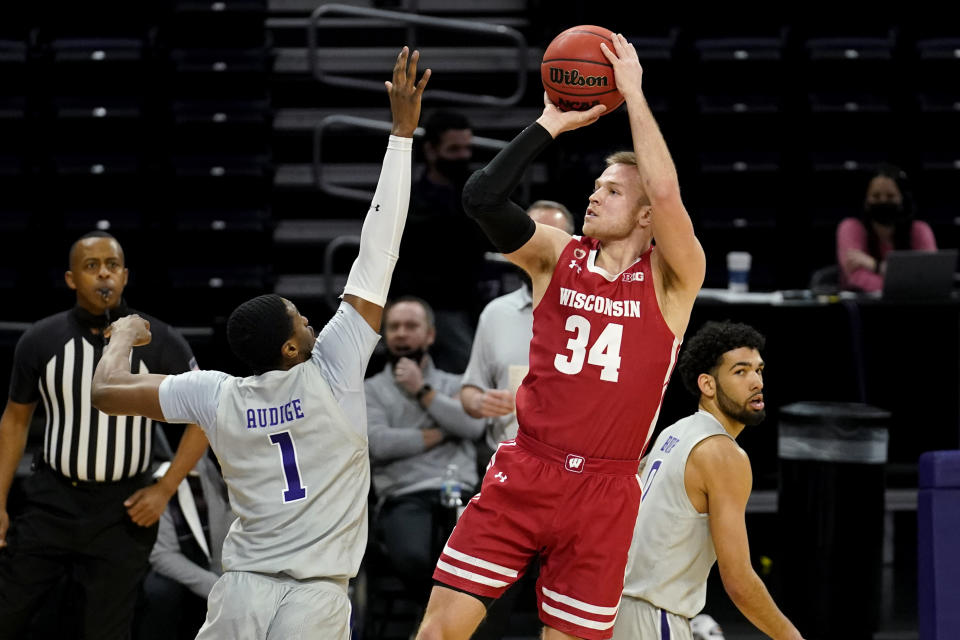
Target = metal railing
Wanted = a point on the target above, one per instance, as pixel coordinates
(350, 240)
(328, 274)
(443, 24)
(16, 328)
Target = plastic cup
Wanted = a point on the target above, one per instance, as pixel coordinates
(738, 270)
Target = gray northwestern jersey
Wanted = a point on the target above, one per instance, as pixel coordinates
(672, 551)
(293, 449)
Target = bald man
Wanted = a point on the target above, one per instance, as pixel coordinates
(91, 507)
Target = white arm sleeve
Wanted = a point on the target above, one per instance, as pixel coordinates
(380, 238)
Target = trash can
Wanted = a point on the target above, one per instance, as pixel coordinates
(938, 551)
(830, 513)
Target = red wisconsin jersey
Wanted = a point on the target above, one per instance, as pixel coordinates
(600, 358)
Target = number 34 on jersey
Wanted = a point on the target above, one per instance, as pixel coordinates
(603, 352)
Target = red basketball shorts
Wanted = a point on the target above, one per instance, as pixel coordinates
(576, 513)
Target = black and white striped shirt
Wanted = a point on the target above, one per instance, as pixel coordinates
(54, 364)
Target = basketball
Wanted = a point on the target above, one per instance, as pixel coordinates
(575, 73)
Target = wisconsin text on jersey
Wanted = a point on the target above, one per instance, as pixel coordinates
(600, 304)
(273, 416)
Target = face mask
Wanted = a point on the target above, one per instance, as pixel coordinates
(416, 355)
(884, 212)
(456, 171)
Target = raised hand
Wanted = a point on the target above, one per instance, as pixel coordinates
(405, 93)
(134, 326)
(626, 65)
(556, 121)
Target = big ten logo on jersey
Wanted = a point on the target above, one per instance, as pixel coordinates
(633, 277)
(669, 444)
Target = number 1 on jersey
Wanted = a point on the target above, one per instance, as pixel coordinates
(291, 468)
(605, 352)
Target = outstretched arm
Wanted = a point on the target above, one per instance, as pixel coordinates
(677, 245)
(486, 196)
(369, 279)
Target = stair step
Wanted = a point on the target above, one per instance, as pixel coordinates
(299, 232)
(344, 22)
(357, 174)
(507, 119)
(423, 6)
(308, 286)
(343, 60)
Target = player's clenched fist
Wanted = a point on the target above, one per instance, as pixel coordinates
(133, 326)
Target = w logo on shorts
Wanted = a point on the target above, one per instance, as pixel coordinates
(574, 463)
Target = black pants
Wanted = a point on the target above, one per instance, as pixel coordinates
(170, 611)
(413, 529)
(80, 532)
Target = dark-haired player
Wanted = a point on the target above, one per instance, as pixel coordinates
(292, 439)
(610, 309)
(696, 482)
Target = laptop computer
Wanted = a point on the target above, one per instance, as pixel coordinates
(919, 275)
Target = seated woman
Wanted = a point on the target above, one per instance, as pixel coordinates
(887, 224)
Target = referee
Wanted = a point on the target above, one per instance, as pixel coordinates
(91, 510)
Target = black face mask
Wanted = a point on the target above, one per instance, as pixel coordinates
(456, 171)
(415, 354)
(884, 212)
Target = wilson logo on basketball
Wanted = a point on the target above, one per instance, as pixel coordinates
(573, 78)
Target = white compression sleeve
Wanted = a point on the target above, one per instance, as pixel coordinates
(382, 228)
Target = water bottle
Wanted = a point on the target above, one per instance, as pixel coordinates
(450, 489)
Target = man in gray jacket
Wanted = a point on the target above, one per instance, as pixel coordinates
(418, 433)
(186, 559)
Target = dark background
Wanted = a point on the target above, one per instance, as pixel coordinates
(190, 137)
